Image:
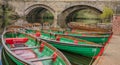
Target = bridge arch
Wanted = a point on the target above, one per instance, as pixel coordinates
(35, 12)
(67, 13)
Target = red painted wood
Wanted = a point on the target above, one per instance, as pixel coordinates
(16, 40)
(76, 41)
(42, 47)
(116, 25)
(58, 38)
(103, 48)
(37, 34)
(54, 56)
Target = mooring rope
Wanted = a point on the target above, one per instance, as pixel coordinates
(105, 46)
(93, 57)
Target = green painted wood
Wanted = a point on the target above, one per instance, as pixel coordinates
(77, 59)
(6, 60)
(88, 51)
(100, 39)
(31, 42)
(85, 51)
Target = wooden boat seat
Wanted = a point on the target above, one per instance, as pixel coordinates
(23, 51)
(53, 57)
(40, 59)
(16, 40)
(26, 54)
(19, 45)
(22, 48)
(38, 63)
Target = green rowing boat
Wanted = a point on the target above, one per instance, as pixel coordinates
(86, 27)
(71, 44)
(97, 38)
(24, 49)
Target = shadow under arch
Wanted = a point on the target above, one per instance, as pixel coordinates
(36, 12)
(68, 12)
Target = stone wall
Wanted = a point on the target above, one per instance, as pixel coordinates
(58, 6)
(116, 24)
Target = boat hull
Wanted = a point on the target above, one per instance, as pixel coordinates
(99, 40)
(89, 51)
(6, 60)
(82, 50)
(10, 60)
(47, 51)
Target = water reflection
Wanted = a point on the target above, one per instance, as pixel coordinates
(75, 59)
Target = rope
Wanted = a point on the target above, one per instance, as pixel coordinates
(105, 46)
(93, 58)
(102, 49)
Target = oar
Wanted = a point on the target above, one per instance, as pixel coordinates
(40, 59)
(53, 57)
(21, 48)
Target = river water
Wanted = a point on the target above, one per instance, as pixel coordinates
(0, 54)
(75, 59)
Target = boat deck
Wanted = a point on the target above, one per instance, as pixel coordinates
(111, 53)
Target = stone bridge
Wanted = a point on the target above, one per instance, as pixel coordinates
(59, 8)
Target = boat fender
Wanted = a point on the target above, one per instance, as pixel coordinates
(58, 38)
(66, 33)
(83, 34)
(73, 30)
(54, 56)
(41, 47)
(37, 34)
(76, 41)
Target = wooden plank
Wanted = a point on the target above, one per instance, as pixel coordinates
(40, 59)
(21, 48)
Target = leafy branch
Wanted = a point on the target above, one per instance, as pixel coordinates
(107, 14)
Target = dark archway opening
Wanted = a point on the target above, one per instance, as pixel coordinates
(86, 15)
(40, 15)
(79, 13)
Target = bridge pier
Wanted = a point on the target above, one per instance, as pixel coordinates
(55, 21)
(60, 9)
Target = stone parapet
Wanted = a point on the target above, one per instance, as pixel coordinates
(116, 24)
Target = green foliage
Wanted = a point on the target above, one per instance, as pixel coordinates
(107, 14)
(9, 15)
(47, 17)
(88, 16)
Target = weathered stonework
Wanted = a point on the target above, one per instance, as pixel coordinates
(116, 24)
(60, 5)
(23, 7)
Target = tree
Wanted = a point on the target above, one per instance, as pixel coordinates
(8, 14)
(4, 13)
(107, 14)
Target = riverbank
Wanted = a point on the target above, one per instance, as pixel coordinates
(111, 53)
